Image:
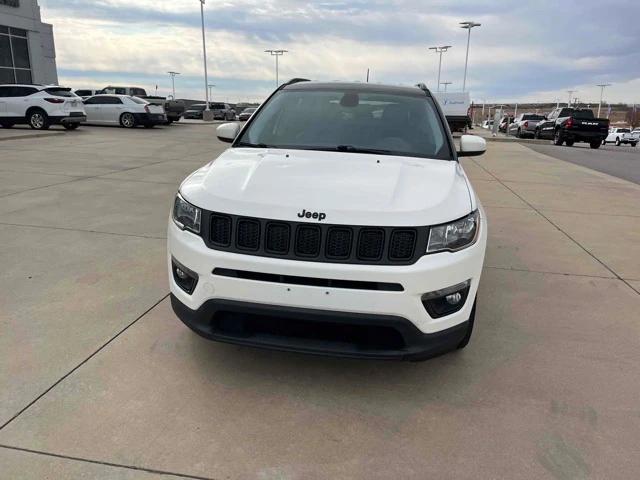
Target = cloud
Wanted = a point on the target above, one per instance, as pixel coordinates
(522, 48)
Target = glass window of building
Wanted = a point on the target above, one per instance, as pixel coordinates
(15, 63)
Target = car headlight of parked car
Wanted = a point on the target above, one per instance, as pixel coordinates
(455, 235)
(185, 215)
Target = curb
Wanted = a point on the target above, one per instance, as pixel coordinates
(29, 136)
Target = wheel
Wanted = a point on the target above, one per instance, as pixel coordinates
(127, 120)
(595, 144)
(557, 138)
(70, 126)
(467, 337)
(570, 143)
(618, 142)
(633, 144)
(38, 119)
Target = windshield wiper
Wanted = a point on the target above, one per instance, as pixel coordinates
(253, 145)
(353, 149)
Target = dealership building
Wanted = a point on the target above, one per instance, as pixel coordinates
(27, 49)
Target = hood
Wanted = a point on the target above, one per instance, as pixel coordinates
(349, 188)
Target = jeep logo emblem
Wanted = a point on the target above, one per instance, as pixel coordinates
(320, 216)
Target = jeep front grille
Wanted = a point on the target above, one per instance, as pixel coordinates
(314, 242)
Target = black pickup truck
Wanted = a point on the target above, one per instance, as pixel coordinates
(570, 125)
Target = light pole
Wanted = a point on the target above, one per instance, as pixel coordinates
(211, 85)
(440, 50)
(276, 53)
(173, 82)
(468, 26)
(206, 115)
(445, 85)
(602, 87)
(570, 92)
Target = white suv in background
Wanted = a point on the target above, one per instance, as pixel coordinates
(40, 106)
(339, 222)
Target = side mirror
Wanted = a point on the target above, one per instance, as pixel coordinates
(472, 146)
(227, 132)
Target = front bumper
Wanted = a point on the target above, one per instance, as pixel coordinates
(403, 309)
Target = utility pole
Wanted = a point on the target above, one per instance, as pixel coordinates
(602, 87)
(173, 82)
(468, 26)
(211, 85)
(440, 50)
(367, 75)
(276, 53)
(445, 85)
(570, 92)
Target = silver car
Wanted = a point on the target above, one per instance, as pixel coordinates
(525, 124)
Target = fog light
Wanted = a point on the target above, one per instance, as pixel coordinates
(453, 299)
(184, 278)
(447, 300)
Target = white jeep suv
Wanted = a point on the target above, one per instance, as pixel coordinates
(40, 106)
(339, 222)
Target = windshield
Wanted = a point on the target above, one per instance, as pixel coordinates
(60, 92)
(350, 121)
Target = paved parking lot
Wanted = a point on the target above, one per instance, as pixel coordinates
(100, 380)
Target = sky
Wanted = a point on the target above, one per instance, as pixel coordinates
(532, 50)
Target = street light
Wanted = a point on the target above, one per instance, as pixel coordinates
(276, 53)
(173, 82)
(602, 87)
(445, 85)
(205, 116)
(468, 26)
(440, 50)
(211, 85)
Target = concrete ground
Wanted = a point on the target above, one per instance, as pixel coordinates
(100, 380)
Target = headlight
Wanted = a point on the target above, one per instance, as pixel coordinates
(455, 235)
(185, 215)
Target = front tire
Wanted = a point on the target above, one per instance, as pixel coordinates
(127, 120)
(557, 138)
(633, 144)
(70, 126)
(38, 120)
(617, 142)
(595, 144)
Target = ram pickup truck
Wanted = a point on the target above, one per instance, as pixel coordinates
(173, 108)
(569, 125)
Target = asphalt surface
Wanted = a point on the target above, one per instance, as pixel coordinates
(622, 162)
(100, 380)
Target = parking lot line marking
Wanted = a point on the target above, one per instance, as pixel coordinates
(151, 237)
(560, 229)
(102, 347)
(108, 464)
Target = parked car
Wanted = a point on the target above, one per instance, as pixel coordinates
(194, 111)
(40, 106)
(504, 121)
(123, 110)
(172, 108)
(635, 134)
(525, 124)
(84, 94)
(246, 114)
(621, 136)
(570, 125)
(346, 227)
(223, 111)
(456, 108)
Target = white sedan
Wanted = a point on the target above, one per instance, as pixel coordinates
(123, 110)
